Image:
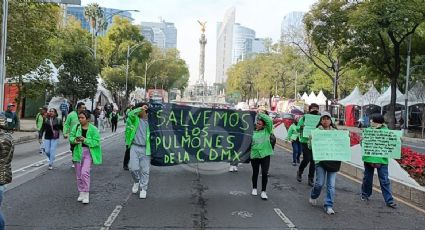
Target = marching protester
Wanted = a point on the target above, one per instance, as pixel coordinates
(39, 119)
(50, 128)
(137, 139)
(6, 155)
(113, 118)
(102, 120)
(87, 151)
(261, 150)
(325, 170)
(71, 121)
(307, 154)
(64, 108)
(381, 165)
(294, 138)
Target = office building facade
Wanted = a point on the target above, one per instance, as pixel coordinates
(224, 46)
(162, 34)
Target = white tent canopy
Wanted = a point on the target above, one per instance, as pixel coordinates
(321, 98)
(385, 98)
(304, 96)
(355, 98)
(416, 95)
(311, 98)
(370, 97)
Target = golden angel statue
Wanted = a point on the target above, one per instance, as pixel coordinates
(202, 26)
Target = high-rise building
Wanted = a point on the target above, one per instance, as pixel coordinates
(292, 24)
(253, 47)
(224, 45)
(241, 35)
(78, 13)
(162, 34)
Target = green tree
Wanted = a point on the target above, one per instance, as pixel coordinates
(30, 26)
(378, 31)
(114, 80)
(78, 77)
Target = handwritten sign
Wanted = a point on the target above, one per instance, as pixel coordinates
(310, 123)
(381, 143)
(333, 145)
(184, 134)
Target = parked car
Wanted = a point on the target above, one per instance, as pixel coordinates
(286, 118)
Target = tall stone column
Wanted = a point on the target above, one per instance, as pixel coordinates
(202, 42)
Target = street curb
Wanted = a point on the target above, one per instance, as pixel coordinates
(414, 195)
(25, 139)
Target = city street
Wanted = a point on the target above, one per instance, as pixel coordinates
(203, 196)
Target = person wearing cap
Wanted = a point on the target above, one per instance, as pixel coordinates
(11, 118)
(325, 170)
(381, 165)
(261, 150)
(307, 154)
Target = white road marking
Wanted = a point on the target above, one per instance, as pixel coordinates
(243, 214)
(285, 219)
(111, 218)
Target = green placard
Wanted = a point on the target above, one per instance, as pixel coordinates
(382, 143)
(310, 123)
(333, 145)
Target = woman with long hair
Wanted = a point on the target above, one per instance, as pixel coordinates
(50, 128)
(87, 150)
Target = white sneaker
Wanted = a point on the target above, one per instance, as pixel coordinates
(142, 194)
(135, 188)
(312, 201)
(235, 168)
(80, 197)
(72, 165)
(264, 195)
(254, 192)
(329, 211)
(86, 198)
(231, 169)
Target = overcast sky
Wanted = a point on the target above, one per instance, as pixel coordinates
(264, 16)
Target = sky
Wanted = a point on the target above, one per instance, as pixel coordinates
(263, 16)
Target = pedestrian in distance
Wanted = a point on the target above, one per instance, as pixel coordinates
(261, 150)
(381, 166)
(64, 108)
(294, 139)
(39, 120)
(51, 129)
(307, 154)
(325, 171)
(11, 118)
(102, 120)
(70, 122)
(113, 118)
(6, 155)
(137, 138)
(87, 151)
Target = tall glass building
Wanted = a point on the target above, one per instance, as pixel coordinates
(78, 12)
(292, 23)
(224, 46)
(162, 34)
(241, 36)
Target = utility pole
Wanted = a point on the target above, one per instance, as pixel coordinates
(3, 52)
(406, 107)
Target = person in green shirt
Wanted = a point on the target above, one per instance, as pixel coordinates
(72, 120)
(39, 119)
(294, 138)
(381, 165)
(307, 153)
(137, 139)
(86, 139)
(261, 150)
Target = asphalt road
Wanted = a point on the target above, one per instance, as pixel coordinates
(417, 147)
(198, 196)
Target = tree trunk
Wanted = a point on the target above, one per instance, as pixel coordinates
(395, 74)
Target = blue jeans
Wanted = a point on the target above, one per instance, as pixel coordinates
(296, 151)
(384, 181)
(321, 175)
(50, 149)
(1, 213)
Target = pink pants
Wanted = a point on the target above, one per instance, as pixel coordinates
(82, 170)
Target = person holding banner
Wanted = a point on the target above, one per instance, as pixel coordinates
(307, 153)
(325, 170)
(261, 150)
(137, 138)
(381, 165)
(294, 138)
(87, 151)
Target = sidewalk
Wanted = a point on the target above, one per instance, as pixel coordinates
(28, 132)
(359, 130)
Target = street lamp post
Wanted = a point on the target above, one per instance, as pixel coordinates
(147, 65)
(406, 100)
(3, 51)
(130, 50)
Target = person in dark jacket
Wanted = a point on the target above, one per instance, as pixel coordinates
(50, 128)
(11, 118)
